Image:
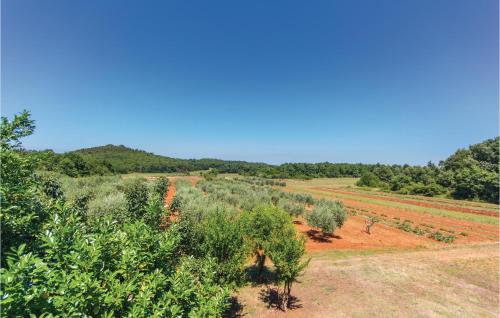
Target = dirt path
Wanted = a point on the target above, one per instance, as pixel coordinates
(454, 282)
(169, 196)
(413, 202)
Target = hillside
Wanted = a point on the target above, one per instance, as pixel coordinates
(123, 159)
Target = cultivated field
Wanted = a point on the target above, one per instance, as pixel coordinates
(404, 219)
(397, 270)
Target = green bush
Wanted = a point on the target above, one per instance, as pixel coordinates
(136, 193)
(368, 179)
(327, 215)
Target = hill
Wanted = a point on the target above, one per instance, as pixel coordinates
(111, 159)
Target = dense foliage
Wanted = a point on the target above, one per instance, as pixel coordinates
(59, 260)
(471, 173)
(94, 246)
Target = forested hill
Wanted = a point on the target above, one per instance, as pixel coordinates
(124, 159)
(112, 159)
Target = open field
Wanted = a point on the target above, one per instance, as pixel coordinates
(459, 281)
(467, 221)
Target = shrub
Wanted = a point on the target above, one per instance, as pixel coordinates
(438, 236)
(160, 186)
(136, 193)
(327, 215)
(368, 179)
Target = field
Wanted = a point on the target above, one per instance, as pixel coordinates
(393, 271)
(467, 221)
(449, 282)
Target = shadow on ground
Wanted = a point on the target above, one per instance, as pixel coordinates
(271, 297)
(318, 236)
(236, 309)
(266, 277)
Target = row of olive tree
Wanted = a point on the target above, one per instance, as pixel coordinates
(230, 235)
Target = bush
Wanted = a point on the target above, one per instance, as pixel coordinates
(368, 179)
(327, 215)
(136, 193)
(160, 186)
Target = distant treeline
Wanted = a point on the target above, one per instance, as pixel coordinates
(468, 174)
(471, 173)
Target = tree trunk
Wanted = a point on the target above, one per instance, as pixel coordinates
(284, 300)
(261, 260)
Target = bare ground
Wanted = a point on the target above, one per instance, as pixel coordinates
(459, 281)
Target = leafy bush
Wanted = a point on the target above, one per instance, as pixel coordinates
(368, 179)
(136, 193)
(160, 186)
(59, 263)
(327, 215)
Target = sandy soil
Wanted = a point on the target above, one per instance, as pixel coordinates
(452, 282)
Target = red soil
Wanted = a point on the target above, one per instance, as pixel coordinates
(476, 232)
(169, 196)
(167, 200)
(413, 202)
(353, 236)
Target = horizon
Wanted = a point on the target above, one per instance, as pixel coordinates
(386, 82)
(258, 162)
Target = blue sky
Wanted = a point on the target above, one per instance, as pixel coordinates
(274, 81)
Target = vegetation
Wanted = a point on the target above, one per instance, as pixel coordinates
(93, 246)
(471, 173)
(327, 215)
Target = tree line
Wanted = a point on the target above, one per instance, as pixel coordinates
(471, 173)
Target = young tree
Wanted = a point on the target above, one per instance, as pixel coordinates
(21, 212)
(259, 226)
(286, 250)
(369, 222)
(161, 186)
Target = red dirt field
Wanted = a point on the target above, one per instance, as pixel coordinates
(353, 236)
(413, 202)
(476, 232)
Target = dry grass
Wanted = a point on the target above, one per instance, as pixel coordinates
(451, 282)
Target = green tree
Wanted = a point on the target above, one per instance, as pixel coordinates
(327, 215)
(286, 251)
(259, 225)
(368, 179)
(136, 192)
(22, 214)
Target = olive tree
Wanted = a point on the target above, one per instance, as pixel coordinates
(327, 215)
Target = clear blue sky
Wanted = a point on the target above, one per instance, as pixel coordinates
(274, 81)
